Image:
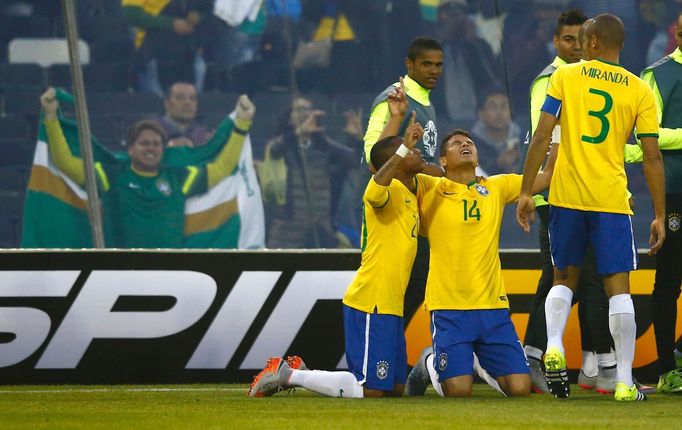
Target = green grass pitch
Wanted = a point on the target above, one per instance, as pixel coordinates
(226, 406)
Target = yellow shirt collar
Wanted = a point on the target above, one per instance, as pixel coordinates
(677, 55)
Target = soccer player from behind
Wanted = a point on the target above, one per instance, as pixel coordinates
(373, 304)
(461, 217)
(598, 369)
(597, 103)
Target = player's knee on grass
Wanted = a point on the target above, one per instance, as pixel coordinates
(396, 392)
(458, 386)
(517, 385)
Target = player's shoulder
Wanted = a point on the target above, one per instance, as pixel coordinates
(503, 181)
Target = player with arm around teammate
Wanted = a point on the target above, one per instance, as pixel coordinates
(373, 304)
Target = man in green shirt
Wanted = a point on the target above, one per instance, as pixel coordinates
(424, 63)
(665, 79)
(143, 200)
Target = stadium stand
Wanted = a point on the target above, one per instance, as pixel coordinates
(97, 77)
(21, 76)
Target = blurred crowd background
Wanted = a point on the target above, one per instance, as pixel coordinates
(184, 62)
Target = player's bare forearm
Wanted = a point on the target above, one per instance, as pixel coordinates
(387, 172)
(537, 150)
(652, 162)
(392, 127)
(433, 170)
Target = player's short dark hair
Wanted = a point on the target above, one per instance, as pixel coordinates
(609, 29)
(422, 44)
(570, 18)
(140, 126)
(383, 150)
(444, 143)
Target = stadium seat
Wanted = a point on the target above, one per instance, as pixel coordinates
(12, 179)
(12, 26)
(14, 128)
(16, 152)
(105, 127)
(11, 212)
(21, 102)
(124, 103)
(44, 51)
(21, 76)
(97, 77)
(217, 104)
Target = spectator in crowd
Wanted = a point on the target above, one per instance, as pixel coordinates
(179, 122)
(347, 183)
(144, 200)
(305, 219)
(346, 23)
(496, 135)
(468, 65)
(166, 42)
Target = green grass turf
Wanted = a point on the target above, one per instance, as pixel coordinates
(226, 406)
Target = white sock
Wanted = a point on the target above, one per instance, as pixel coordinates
(590, 363)
(557, 308)
(533, 352)
(433, 374)
(607, 359)
(624, 331)
(330, 384)
(483, 374)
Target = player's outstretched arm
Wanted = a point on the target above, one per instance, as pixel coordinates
(544, 177)
(652, 162)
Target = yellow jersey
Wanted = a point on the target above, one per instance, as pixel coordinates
(462, 223)
(600, 103)
(389, 244)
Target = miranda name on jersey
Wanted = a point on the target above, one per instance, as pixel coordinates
(604, 75)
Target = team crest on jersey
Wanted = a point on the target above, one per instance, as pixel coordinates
(430, 138)
(674, 221)
(442, 361)
(163, 186)
(481, 190)
(382, 370)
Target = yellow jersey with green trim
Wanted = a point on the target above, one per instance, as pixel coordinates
(462, 223)
(600, 104)
(389, 244)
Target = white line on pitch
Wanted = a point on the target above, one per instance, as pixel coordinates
(116, 390)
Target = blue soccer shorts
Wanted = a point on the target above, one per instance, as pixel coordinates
(487, 332)
(611, 236)
(375, 348)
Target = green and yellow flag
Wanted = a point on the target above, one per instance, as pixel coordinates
(55, 209)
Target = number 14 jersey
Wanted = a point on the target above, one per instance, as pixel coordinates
(598, 104)
(462, 223)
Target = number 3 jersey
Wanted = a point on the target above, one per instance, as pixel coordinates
(598, 104)
(462, 223)
(390, 225)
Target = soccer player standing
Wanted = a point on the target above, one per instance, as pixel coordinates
(597, 103)
(599, 361)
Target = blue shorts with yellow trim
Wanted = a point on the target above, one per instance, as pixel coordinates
(610, 234)
(376, 351)
(489, 333)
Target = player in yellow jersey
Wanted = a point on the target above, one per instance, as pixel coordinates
(597, 103)
(461, 216)
(373, 304)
